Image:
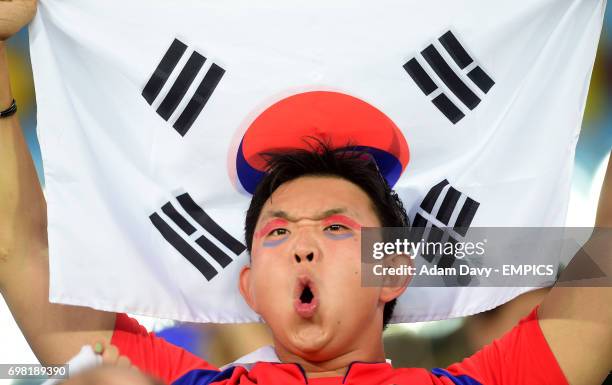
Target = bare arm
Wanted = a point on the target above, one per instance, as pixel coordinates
(577, 321)
(55, 332)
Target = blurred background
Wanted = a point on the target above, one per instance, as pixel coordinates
(427, 344)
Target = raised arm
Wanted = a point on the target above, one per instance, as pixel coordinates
(55, 332)
(577, 321)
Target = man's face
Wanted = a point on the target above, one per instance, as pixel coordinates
(304, 278)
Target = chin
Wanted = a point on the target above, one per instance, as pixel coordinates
(310, 340)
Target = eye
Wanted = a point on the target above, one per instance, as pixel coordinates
(278, 232)
(336, 228)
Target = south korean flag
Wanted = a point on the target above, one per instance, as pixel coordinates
(151, 120)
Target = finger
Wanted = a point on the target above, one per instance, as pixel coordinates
(110, 355)
(123, 362)
(98, 347)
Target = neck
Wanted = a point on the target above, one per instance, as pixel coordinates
(336, 366)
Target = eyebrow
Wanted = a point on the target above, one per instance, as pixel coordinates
(284, 215)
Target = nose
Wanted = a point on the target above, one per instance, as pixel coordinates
(306, 257)
(306, 246)
(306, 249)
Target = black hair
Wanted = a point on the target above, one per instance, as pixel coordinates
(348, 163)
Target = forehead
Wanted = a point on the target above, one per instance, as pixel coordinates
(314, 196)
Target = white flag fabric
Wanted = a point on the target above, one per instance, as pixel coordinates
(151, 115)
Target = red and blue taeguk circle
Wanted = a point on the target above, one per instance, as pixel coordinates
(333, 117)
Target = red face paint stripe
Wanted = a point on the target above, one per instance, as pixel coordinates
(270, 226)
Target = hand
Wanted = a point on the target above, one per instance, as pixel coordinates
(115, 370)
(110, 356)
(14, 15)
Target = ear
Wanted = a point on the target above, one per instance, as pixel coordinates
(394, 285)
(245, 287)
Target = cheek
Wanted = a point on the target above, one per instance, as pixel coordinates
(268, 272)
(268, 252)
(345, 247)
(342, 260)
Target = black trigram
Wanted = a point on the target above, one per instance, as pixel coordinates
(181, 85)
(198, 258)
(450, 76)
(452, 219)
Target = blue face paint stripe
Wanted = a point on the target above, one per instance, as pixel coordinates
(274, 243)
(339, 236)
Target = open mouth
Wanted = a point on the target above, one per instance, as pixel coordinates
(306, 302)
(307, 295)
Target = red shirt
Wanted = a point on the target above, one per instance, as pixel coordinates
(521, 356)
